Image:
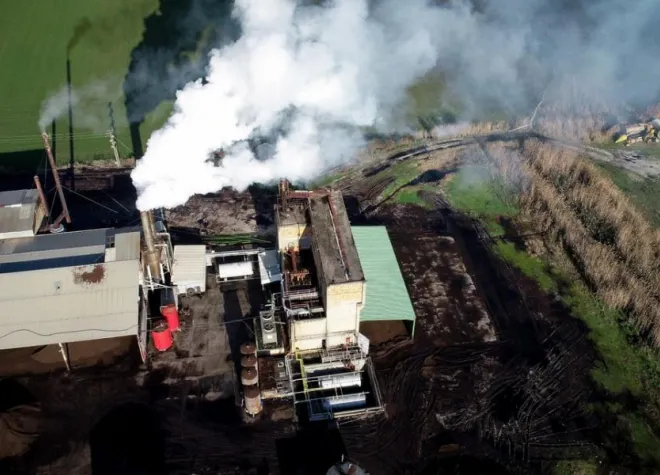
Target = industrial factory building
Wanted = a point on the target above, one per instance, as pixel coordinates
(70, 287)
(329, 271)
(322, 281)
(61, 288)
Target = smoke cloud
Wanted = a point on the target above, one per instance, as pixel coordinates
(89, 104)
(55, 106)
(307, 79)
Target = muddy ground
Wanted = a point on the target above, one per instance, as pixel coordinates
(463, 397)
(226, 212)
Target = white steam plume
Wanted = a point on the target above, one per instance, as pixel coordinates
(55, 106)
(89, 104)
(307, 76)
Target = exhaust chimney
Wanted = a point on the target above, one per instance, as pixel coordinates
(56, 176)
(151, 254)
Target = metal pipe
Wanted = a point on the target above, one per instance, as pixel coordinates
(152, 221)
(147, 230)
(64, 351)
(150, 255)
(56, 177)
(42, 196)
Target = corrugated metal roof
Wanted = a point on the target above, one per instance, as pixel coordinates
(50, 242)
(386, 297)
(69, 304)
(17, 210)
(18, 197)
(67, 249)
(189, 266)
(269, 266)
(127, 246)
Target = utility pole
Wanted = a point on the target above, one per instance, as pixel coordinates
(112, 134)
(113, 145)
(56, 177)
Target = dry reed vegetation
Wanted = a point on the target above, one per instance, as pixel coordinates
(588, 128)
(485, 128)
(611, 244)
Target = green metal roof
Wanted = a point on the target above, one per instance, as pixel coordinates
(386, 297)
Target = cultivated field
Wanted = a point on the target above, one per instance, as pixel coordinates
(124, 61)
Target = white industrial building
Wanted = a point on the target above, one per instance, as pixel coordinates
(323, 288)
(189, 269)
(71, 287)
(326, 369)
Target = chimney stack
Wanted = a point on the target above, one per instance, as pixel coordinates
(56, 177)
(151, 255)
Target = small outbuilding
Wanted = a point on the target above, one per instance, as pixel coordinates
(189, 268)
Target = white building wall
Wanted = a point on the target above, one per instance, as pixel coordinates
(342, 323)
(308, 334)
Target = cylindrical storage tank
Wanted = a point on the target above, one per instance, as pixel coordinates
(249, 376)
(346, 402)
(252, 400)
(171, 314)
(249, 361)
(248, 348)
(236, 269)
(162, 336)
(340, 381)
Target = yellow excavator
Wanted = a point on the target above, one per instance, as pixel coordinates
(648, 132)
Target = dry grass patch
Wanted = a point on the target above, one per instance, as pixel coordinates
(611, 244)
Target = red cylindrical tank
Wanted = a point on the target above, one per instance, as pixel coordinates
(171, 314)
(162, 336)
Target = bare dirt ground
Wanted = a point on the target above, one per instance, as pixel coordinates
(47, 359)
(462, 397)
(227, 212)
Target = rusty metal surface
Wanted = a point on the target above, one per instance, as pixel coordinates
(87, 275)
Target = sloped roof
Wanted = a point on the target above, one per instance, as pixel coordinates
(386, 294)
(189, 266)
(331, 234)
(67, 249)
(68, 304)
(17, 210)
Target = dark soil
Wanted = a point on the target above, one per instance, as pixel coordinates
(459, 401)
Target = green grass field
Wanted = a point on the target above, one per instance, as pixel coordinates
(34, 38)
(100, 39)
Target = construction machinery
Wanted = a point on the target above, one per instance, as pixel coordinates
(648, 132)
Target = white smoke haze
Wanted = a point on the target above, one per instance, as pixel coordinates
(312, 77)
(319, 73)
(56, 106)
(89, 104)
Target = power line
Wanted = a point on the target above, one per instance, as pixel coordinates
(91, 200)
